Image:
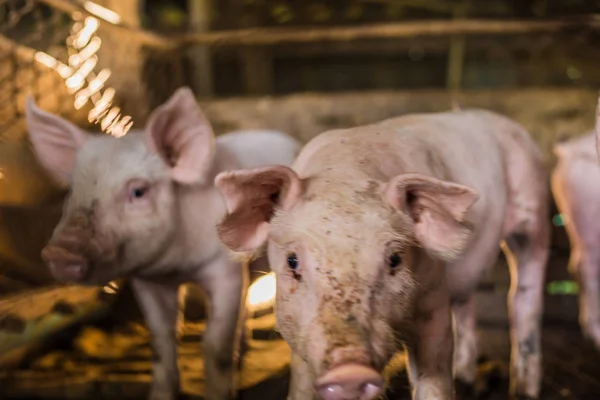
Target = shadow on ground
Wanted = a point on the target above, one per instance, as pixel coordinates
(100, 362)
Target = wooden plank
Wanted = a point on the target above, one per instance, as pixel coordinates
(29, 318)
(270, 36)
(200, 14)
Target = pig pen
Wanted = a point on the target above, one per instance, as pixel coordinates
(70, 342)
(106, 353)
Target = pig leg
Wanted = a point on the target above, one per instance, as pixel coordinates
(589, 300)
(225, 282)
(430, 351)
(584, 261)
(465, 353)
(526, 252)
(159, 306)
(301, 383)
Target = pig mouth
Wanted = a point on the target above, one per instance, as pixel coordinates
(64, 265)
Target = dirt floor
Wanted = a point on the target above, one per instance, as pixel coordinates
(108, 363)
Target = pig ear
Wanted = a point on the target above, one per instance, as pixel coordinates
(251, 197)
(438, 210)
(55, 141)
(180, 133)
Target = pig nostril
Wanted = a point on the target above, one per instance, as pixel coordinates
(371, 390)
(332, 388)
(350, 381)
(331, 392)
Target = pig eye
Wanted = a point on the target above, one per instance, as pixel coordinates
(137, 190)
(394, 260)
(292, 261)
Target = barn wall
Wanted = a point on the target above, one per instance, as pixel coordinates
(546, 112)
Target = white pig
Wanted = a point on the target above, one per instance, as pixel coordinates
(576, 187)
(144, 206)
(377, 232)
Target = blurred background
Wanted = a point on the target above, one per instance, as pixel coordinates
(300, 66)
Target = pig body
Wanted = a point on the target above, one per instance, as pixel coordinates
(144, 206)
(377, 233)
(576, 188)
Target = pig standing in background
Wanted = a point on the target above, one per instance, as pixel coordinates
(144, 206)
(576, 188)
(378, 231)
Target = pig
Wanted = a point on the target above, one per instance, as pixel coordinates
(144, 207)
(378, 234)
(575, 184)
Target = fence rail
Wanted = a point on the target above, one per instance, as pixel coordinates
(272, 36)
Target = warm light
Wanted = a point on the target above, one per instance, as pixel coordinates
(101, 12)
(102, 105)
(108, 119)
(111, 287)
(64, 70)
(1, 173)
(80, 70)
(261, 293)
(46, 59)
(89, 50)
(121, 127)
(85, 34)
(76, 82)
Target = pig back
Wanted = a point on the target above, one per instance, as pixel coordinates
(460, 147)
(259, 148)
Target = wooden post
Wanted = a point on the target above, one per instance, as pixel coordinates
(456, 54)
(255, 61)
(256, 70)
(200, 18)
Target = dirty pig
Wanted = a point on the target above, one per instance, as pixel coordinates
(144, 206)
(575, 185)
(379, 233)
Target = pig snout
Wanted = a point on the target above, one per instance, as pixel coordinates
(65, 265)
(350, 381)
(350, 376)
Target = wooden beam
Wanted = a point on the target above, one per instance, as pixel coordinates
(271, 36)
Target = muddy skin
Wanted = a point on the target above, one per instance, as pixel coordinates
(144, 207)
(358, 200)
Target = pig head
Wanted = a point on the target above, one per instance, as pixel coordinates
(121, 213)
(351, 254)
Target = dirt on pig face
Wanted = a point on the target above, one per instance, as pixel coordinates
(120, 213)
(353, 285)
